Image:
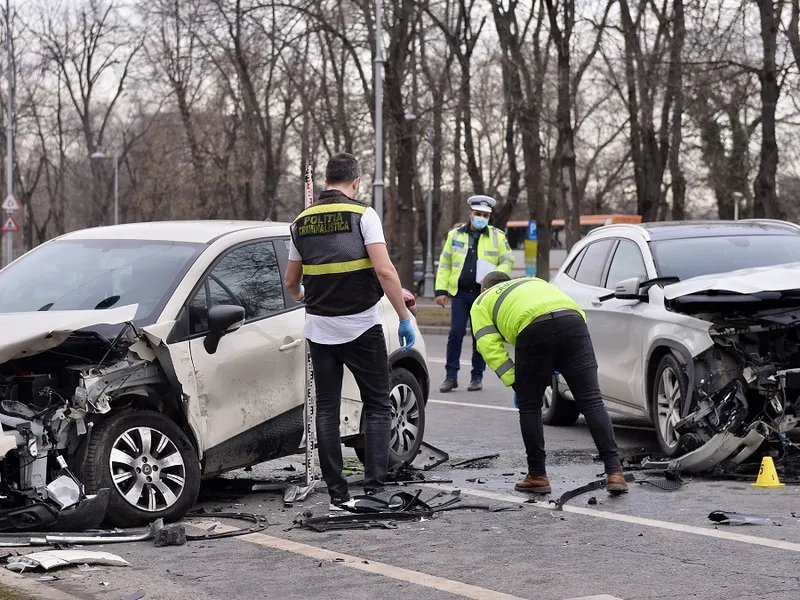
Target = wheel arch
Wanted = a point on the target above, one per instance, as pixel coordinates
(413, 361)
(660, 348)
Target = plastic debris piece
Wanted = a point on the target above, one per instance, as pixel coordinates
(46, 578)
(592, 501)
(52, 559)
(134, 595)
(84, 568)
(64, 491)
(733, 518)
(174, 535)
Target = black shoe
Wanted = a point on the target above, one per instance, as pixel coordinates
(448, 385)
(475, 386)
(337, 503)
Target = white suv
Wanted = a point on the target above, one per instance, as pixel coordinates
(696, 326)
(150, 356)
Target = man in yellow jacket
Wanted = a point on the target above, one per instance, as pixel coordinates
(469, 253)
(548, 332)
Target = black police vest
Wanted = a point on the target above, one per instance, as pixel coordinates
(337, 272)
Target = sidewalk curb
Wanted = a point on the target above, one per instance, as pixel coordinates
(24, 585)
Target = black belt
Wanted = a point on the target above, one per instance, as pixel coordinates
(561, 312)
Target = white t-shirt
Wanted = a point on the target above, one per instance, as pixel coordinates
(346, 328)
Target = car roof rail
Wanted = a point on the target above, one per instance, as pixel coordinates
(631, 227)
(773, 222)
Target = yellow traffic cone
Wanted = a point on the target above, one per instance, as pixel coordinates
(767, 475)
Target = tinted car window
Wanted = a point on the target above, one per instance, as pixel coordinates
(97, 274)
(690, 257)
(626, 263)
(247, 276)
(590, 270)
(573, 268)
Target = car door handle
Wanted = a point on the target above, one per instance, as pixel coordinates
(596, 302)
(290, 345)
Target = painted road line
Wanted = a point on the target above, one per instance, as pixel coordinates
(601, 514)
(443, 584)
(506, 408)
(470, 405)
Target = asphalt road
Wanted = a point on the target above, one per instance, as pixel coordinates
(645, 545)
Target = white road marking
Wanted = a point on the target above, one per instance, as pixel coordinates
(512, 409)
(470, 405)
(459, 588)
(601, 514)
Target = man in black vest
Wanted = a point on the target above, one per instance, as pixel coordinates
(339, 250)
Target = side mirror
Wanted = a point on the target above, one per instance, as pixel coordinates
(628, 289)
(222, 319)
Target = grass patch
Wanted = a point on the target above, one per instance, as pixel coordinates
(433, 316)
(7, 594)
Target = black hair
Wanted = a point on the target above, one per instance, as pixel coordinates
(342, 168)
(493, 279)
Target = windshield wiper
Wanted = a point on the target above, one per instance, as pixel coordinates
(107, 303)
(47, 306)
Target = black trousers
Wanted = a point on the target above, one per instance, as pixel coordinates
(560, 342)
(367, 359)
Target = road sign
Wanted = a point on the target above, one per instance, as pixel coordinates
(10, 225)
(10, 204)
(531, 249)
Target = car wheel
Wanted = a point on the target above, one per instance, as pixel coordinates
(557, 410)
(148, 464)
(669, 390)
(408, 418)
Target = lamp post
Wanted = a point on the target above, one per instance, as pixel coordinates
(9, 235)
(429, 280)
(100, 155)
(737, 197)
(377, 185)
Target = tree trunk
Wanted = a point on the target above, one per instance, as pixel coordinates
(766, 200)
(676, 85)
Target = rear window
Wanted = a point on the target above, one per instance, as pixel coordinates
(692, 257)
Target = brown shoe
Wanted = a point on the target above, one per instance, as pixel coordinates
(535, 484)
(616, 484)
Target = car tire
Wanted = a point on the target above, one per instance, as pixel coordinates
(408, 408)
(670, 386)
(170, 455)
(557, 410)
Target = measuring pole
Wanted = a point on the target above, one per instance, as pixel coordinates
(9, 131)
(311, 396)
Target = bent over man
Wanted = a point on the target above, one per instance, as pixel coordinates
(339, 248)
(548, 331)
(469, 253)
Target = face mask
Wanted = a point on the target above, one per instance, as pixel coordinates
(355, 196)
(480, 222)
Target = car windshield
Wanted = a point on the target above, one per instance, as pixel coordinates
(96, 275)
(691, 257)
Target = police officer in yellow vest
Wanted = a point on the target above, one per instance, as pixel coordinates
(469, 253)
(338, 248)
(548, 332)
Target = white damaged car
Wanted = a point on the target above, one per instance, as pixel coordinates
(696, 326)
(138, 359)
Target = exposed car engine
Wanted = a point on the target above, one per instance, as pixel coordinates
(746, 387)
(47, 403)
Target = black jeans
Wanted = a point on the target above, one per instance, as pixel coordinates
(560, 343)
(367, 359)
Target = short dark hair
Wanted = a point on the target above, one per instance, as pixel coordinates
(342, 168)
(493, 278)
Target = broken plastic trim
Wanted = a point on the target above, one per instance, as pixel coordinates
(595, 485)
(259, 523)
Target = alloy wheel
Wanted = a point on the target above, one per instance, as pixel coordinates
(669, 409)
(405, 418)
(147, 469)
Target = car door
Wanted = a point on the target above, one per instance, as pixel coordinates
(251, 390)
(582, 281)
(616, 327)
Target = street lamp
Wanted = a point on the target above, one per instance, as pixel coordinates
(100, 155)
(429, 279)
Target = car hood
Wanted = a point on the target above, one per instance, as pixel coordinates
(26, 334)
(744, 281)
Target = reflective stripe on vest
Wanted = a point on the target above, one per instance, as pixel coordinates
(339, 267)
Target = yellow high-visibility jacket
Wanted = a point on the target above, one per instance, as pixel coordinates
(493, 247)
(500, 313)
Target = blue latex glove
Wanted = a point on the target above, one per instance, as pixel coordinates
(516, 402)
(406, 334)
